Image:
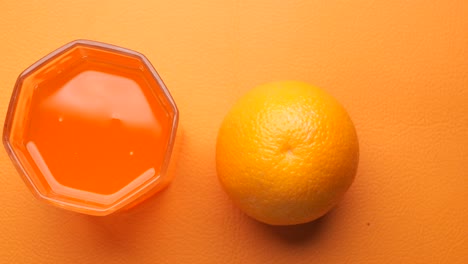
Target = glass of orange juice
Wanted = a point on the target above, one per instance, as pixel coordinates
(92, 128)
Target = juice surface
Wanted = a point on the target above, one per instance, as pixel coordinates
(95, 130)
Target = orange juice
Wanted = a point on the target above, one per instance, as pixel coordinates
(91, 128)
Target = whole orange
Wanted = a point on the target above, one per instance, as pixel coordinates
(286, 153)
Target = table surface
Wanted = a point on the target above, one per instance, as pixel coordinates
(399, 67)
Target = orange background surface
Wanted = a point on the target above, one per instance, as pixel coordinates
(399, 67)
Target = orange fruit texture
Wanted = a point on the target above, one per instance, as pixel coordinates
(286, 153)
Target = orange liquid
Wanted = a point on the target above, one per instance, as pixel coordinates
(96, 131)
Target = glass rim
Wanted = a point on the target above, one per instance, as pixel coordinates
(135, 193)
